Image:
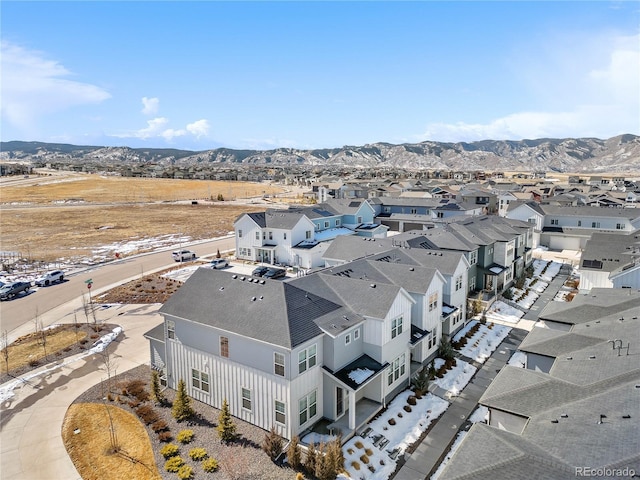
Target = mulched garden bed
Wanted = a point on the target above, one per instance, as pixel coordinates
(242, 459)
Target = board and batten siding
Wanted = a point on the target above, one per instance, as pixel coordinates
(302, 386)
(227, 378)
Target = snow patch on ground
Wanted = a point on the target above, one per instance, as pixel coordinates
(500, 311)
(456, 378)
(481, 345)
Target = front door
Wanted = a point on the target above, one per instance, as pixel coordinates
(339, 401)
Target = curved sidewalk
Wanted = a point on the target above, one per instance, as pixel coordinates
(31, 444)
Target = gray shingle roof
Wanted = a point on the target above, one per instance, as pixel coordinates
(156, 333)
(586, 211)
(275, 312)
(598, 303)
(610, 252)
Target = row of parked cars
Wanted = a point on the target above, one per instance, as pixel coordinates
(11, 290)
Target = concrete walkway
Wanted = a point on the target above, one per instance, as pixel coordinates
(31, 446)
(424, 461)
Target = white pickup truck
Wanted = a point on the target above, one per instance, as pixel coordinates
(50, 277)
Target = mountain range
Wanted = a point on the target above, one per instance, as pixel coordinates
(617, 154)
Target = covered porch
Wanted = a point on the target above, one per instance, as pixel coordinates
(365, 410)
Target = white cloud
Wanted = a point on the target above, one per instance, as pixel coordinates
(199, 128)
(158, 128)
(150, 105)
(34, 86)
(600, 98)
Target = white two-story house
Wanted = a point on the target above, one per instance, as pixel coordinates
(287, 354)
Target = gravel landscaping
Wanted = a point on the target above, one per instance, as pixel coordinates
(242, 459)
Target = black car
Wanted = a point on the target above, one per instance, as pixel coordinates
(275, 273)
(259, 271)
(10, 290)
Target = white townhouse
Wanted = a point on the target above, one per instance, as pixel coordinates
(299, 236)
(287, 354)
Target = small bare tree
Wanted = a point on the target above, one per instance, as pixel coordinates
(110, 366)
(4, 344)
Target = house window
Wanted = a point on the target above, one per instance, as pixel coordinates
(595, 224)
(397, 369)
(356, 334)
(433, 302)
(414, 210)
(284, 235)
(347, 339)
(337, 222)
(307, 407)
(264, 235)
(171, 329)
(508, 275)
(270, 235)
(306, 358)
(554, 221)
(387, 209)
(224, 347)
(281, 416)
(619, 226)
(257, 235)
(326, 224)
(307, 234)
(440, 214)
(359, 219)
(278, 364)
(473, 257)
(472, 284)
(246, 398)
(396, 327)
(579, 223)
(458, 282)
(200, 380)
(239, 233)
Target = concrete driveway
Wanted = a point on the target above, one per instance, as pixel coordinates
(31, 446)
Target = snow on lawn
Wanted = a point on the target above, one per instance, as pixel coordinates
(481, 345)
(524, 299)
(500, 311)
(552, 269)
(6, 392)
(182, 274)
(538, 286)
(408, 428)
(456, 378)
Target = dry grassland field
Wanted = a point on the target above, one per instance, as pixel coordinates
(62, 217)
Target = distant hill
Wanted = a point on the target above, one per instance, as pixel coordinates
(616, 154)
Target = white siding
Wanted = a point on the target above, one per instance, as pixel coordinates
(628, 278)
(590, 279)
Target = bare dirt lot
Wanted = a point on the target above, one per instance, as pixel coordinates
(68, 217)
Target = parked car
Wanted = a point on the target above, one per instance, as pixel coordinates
(259, 271)
(10, 290)
(49, 278)
(275, 273)
(182, 255)
(219, 263)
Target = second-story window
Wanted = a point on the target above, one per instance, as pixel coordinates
(337, 222)
(307, 234)
(278, 364)
(307, 358)
(347, 339)
(284, 235)
(171, 329)
(458, 282)
(619, 226)
(356, 334)
(396, 327)
(224, 347)
(554, 221)
(595, 224)
(257, 235)
(270, 235)
(433, 302)
(239, 233)
(326, 224)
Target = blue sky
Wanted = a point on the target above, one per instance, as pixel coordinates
(261, 75)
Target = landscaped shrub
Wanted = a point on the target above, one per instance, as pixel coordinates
(185, 472)
(364, 459)
(508, 294)
(147, 414)
(299, 476)
(359, 444)
(294, 454)
(136, 388)
(185, 436)
(169, 450)
(197, 454)
(226, 428)
(159, 426)
(355, 465)
(411, 400)
(272, 444)
(369, 452)
(173, 464)
(165, 436)
(181, 409)
(392, 421)
(210, 465)
(407, 408)
(134, 403)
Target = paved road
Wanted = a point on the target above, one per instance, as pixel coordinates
(23, 310)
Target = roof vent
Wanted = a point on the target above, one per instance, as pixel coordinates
(564, 415)
(600, 422)
(261, 282)
(373, 285)
(242, 279)
(333, 325)
(234, 276)
(569, 358)
(261, 297)
(555, 420)
(253, 299)
(592, 357)
(626, 416)
(221, 288)
(411, 269)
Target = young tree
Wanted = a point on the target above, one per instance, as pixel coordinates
(421, 382)
(335, 456)
(226, 428)
(294, 455)
(110, 365)
(181, 409)
(218, 255)
(445, 350)
(4, 344)
(156, 390)
(272, 444)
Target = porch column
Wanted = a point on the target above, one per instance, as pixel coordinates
(352, 410)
